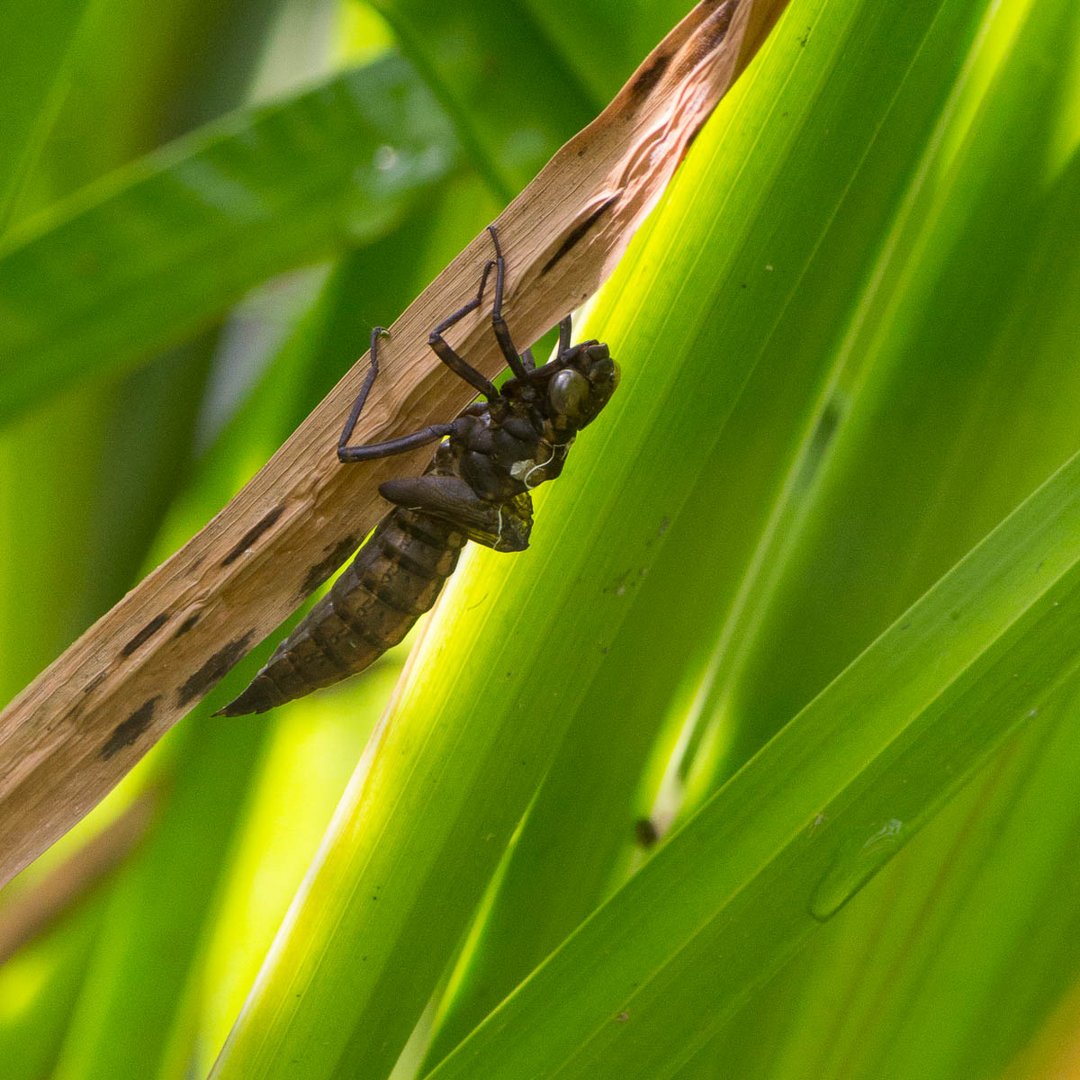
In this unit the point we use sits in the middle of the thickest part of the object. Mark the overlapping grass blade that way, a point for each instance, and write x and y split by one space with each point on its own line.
793 836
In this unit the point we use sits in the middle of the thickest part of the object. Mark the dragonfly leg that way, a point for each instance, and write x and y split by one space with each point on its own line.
400 445
566 329
369 381
453 360
498 323
529 360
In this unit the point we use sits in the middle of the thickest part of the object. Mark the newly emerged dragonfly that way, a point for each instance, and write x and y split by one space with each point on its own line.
476 488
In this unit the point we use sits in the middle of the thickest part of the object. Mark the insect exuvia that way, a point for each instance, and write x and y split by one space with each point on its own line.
476 488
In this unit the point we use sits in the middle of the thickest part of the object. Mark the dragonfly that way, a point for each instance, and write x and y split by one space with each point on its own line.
477 487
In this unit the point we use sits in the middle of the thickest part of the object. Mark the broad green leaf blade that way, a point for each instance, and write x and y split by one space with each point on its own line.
310 754
794 835
138 75
764 193
985 403
943 418
949 960
153 251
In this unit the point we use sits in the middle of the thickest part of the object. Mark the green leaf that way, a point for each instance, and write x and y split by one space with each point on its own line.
38 990
35 61
955 404
156 249
981 407
797 832
784 230
490 67
605 40
127 439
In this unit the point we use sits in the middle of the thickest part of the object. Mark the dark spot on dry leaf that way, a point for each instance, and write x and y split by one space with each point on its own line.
94 683
725 13
189 623
128 732
325 567
712 33
146 633
213 670
648 77
253 534
577 234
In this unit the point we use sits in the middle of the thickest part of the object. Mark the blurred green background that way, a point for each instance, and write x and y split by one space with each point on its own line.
849 340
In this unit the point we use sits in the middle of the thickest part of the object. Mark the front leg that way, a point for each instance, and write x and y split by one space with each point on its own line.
453 360
390 447
519 367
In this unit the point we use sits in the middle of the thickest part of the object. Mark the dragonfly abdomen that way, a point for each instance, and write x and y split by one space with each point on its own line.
394 578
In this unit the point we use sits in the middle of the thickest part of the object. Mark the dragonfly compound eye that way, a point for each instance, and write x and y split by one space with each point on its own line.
569 393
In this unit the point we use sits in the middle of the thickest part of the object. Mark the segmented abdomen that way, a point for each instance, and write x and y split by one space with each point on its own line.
394 578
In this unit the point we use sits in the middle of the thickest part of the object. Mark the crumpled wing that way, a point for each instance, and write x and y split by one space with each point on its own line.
503 526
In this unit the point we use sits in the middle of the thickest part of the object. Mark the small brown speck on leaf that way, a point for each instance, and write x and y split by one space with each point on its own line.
577 234
248 539
645 832
127 733
146 633
325 567
188 624
213 670
649 76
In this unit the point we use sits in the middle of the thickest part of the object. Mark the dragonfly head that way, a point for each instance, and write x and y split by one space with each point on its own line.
578 391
